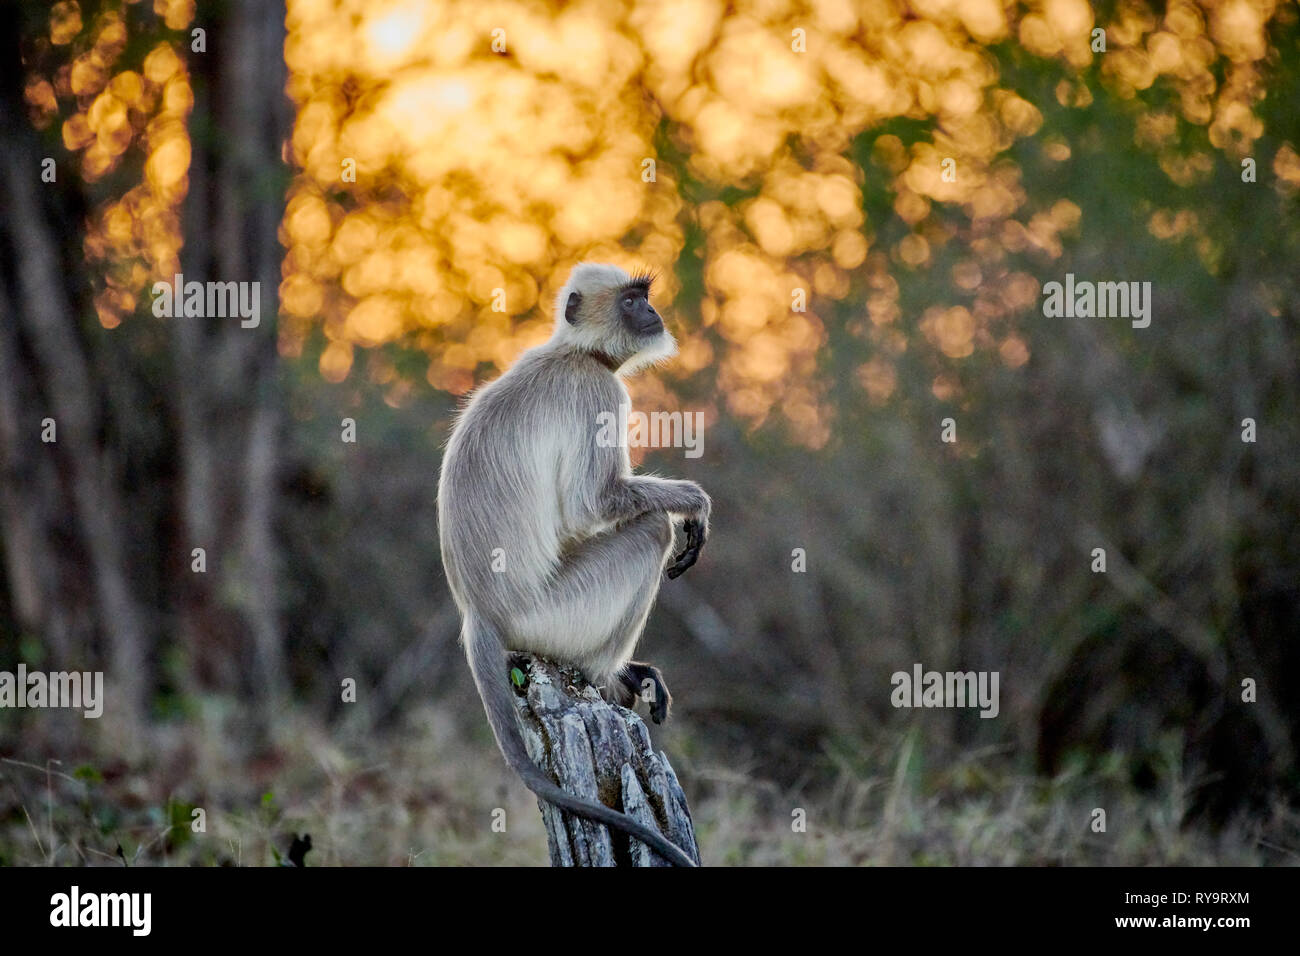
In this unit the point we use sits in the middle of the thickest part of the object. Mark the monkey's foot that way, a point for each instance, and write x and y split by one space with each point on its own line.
647 682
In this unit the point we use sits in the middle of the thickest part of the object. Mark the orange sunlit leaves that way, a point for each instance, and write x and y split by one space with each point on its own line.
110 112
65 22
454 160
479 175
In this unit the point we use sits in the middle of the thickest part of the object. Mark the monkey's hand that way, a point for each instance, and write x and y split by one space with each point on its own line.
697 532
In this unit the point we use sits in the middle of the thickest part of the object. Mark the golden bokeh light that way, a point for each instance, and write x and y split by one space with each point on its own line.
135 237
452 161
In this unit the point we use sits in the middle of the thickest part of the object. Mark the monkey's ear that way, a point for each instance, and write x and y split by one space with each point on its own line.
571 307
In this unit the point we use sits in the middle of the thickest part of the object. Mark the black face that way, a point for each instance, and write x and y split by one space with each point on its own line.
636 311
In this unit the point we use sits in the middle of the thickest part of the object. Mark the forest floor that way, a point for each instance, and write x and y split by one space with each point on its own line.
420 793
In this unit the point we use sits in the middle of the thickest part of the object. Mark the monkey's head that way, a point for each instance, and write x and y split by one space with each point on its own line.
607 312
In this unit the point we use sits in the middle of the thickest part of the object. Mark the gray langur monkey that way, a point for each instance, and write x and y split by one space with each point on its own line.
550 543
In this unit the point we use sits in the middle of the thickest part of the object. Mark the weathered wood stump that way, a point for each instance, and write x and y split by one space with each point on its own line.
601 751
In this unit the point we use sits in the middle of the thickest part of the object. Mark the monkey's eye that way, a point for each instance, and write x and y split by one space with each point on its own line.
627 301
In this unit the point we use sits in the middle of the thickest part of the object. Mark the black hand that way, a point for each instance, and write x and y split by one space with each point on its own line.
695 536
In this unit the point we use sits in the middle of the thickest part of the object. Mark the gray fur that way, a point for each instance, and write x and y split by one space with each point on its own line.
584 541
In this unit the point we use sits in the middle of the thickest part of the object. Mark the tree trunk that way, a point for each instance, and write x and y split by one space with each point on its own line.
42 297
601 751
231 431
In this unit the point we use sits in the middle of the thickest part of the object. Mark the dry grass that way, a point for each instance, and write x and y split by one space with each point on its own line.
421 794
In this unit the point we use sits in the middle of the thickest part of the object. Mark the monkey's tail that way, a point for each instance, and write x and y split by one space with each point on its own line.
486 653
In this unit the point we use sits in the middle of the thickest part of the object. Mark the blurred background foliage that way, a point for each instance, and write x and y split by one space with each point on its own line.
410 183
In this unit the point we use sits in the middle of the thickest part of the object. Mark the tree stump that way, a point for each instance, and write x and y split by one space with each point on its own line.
601 751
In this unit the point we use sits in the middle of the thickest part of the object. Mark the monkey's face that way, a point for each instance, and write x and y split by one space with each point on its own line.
604 310
637 314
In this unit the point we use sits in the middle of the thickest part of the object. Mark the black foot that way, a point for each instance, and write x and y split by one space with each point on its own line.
646 681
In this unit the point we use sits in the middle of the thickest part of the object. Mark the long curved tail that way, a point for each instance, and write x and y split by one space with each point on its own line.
485 650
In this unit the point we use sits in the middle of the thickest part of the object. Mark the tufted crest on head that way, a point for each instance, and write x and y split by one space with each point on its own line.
604 310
